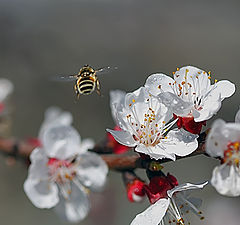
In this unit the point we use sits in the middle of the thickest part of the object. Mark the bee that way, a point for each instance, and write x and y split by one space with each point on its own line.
87 80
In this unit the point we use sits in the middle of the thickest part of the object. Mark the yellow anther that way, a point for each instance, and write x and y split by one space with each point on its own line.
204 72
133 101
163 121
165 137
216 81
159 86
197 77
209 72
177 69
130 104
173 73
209 77
187 70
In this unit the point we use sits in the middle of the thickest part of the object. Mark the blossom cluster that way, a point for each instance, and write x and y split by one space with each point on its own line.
160 120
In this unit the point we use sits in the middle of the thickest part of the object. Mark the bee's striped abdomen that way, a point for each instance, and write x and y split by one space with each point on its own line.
86 85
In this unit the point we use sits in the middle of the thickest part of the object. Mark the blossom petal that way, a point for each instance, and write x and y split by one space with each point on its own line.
41 193
210 107
184 187
158 83
177 105
225 88
123 137
237 117
220 135
76 207
153 214
155 152
61 142
180 142
37 187
226 180
117 99
86 144
6 88
92 171
54 116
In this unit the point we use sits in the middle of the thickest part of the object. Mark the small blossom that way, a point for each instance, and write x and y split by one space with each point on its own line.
171 202
145 124
224 141
62 178
191 95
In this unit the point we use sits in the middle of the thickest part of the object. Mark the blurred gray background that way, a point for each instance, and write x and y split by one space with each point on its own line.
42 39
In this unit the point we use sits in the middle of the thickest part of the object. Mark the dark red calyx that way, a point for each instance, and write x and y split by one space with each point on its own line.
189 124
113 144
158 187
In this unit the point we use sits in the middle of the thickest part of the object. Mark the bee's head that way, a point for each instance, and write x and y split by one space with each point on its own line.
87 70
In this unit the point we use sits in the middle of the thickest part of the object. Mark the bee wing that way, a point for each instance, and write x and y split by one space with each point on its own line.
105 70
64 78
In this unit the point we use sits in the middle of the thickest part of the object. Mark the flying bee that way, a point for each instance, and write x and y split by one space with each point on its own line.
87 80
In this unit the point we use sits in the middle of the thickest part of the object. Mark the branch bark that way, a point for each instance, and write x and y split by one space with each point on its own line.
120 162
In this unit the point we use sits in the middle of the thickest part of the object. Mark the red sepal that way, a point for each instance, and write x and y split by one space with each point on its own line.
158 187
189 124
112 143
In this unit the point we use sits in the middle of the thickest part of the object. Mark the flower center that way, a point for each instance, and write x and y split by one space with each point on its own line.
62 173
150 131
192 88
232 154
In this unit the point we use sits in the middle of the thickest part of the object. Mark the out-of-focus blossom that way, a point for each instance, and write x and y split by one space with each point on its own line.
223 141
62 172
191 95
145 124
237 117
171 202
6 88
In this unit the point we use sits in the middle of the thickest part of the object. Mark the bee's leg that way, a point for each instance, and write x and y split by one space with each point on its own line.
76 91
98 88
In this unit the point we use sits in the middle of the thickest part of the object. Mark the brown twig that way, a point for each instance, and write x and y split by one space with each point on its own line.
119 162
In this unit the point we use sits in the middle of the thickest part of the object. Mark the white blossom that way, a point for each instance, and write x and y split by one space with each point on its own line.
190 93
6 88
145 124
170 209
62 172
224 141
237 117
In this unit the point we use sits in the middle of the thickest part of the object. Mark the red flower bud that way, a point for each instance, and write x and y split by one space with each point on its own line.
135 191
